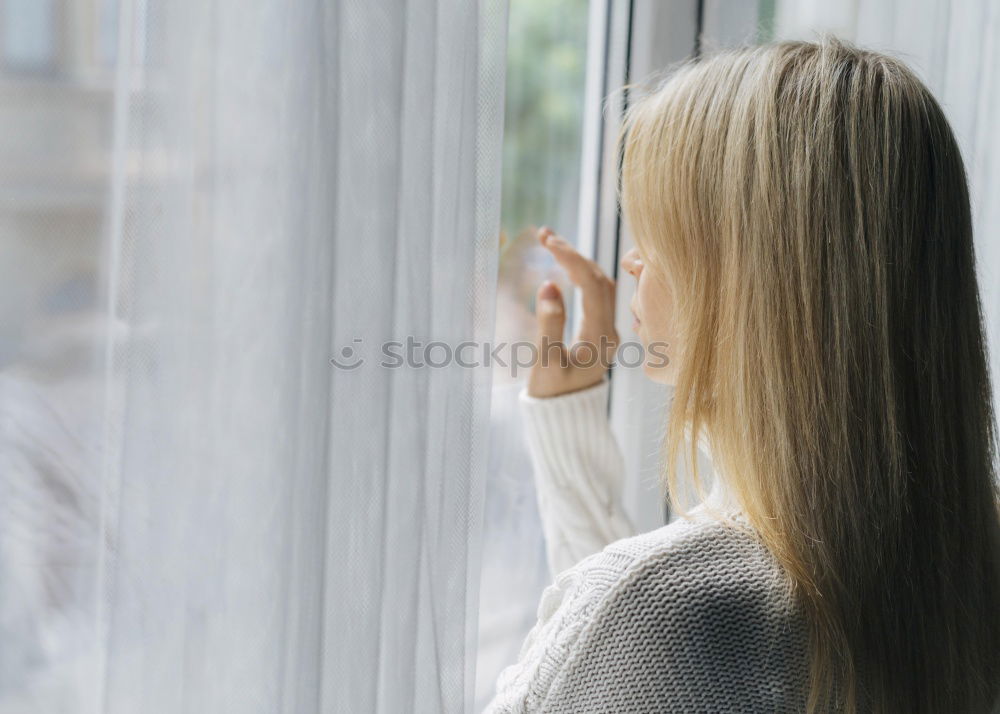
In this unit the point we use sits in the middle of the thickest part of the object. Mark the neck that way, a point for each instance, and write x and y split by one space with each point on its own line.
719 496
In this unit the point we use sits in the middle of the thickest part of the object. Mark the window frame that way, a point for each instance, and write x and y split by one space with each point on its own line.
628 40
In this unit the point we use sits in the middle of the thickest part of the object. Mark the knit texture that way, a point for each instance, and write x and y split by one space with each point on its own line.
578 474
695 616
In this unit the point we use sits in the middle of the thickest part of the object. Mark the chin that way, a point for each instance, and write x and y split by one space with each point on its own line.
660 375
659 364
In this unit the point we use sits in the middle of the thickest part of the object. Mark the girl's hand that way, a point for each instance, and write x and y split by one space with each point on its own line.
559 370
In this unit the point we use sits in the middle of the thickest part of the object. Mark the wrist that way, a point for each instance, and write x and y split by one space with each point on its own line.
586 392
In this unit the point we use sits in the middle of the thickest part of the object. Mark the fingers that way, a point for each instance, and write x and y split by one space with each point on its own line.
582 271
597 288
550 312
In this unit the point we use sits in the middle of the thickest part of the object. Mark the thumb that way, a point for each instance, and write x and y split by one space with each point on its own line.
550 312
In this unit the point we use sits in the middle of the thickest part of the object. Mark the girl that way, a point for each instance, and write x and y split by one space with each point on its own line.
804 247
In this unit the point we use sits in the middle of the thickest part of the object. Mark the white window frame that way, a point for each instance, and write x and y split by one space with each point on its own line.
628 41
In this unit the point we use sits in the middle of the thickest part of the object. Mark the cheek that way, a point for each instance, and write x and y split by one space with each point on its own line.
657 331
656 309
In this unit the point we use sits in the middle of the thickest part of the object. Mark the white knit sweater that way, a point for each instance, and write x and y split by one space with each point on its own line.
694 616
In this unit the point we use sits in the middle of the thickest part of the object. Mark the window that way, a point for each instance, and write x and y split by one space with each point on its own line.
546 73
54 176
567 59
29 34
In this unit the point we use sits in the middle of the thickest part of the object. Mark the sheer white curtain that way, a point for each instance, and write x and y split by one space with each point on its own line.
204 202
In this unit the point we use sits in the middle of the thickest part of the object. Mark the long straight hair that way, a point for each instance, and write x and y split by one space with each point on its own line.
809 204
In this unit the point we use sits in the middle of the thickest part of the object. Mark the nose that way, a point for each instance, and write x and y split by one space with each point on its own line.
631 263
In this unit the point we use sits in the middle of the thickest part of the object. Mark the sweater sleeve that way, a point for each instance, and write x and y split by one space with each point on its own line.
565 609
578 473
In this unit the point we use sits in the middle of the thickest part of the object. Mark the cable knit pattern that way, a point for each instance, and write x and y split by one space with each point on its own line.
695 616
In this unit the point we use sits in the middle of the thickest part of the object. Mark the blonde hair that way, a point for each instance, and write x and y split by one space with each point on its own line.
809 203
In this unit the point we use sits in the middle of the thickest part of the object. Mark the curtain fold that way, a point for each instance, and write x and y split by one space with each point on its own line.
267 512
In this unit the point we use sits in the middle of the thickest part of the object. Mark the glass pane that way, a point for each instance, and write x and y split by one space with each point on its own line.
107 26
547 57
55 140
29 33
